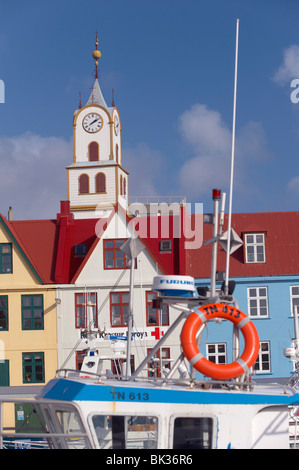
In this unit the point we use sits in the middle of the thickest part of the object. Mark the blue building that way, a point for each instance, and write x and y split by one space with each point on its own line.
266 271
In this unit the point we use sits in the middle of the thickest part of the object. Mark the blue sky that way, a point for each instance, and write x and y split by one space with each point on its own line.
171 65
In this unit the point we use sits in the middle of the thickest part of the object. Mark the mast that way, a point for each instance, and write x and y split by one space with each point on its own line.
232 162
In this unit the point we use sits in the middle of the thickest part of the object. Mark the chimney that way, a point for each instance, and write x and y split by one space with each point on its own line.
10 214
65 212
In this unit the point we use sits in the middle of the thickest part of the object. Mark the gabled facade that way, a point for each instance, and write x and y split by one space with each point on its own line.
27 304
96 297
266 271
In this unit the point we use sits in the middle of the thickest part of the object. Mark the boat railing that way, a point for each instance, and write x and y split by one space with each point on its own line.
158 381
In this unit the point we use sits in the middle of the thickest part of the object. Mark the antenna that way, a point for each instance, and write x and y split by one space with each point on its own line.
113 103
232 163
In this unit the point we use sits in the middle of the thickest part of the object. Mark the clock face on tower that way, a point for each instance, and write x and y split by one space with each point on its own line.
92 122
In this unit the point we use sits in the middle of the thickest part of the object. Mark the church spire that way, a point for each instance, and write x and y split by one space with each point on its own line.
96 96
96 55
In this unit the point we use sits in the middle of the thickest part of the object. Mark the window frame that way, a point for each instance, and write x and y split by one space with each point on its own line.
165 355
259 361
100 183
78 325
34 365
258 298
32 308
255 244
293 296
2 255
80 184
212 437
217 353
148 303
5 309
121 304
93 151
115 250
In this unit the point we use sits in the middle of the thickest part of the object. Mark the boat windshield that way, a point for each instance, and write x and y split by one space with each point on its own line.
126 432
193 433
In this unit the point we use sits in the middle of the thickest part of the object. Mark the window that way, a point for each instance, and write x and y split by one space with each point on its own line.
93 150
126 432
114 257
86 310
80 250
32 312
71 424
83 184
3 313
157 361
294 298
33 367
255 248
79 359
262 364
165 246
4 373
119 308
100 183
121 184
5 258
153 315
258 301
117 365
216 353
193 433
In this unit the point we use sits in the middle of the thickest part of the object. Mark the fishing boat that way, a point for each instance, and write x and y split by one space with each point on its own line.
164 405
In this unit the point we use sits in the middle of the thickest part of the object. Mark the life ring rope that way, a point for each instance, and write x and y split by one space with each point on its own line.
191 351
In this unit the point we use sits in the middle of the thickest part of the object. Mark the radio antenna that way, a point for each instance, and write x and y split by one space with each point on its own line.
232 163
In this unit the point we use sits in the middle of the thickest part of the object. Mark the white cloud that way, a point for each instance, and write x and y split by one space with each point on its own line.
33 175
293 186
290 66
203 128
211 141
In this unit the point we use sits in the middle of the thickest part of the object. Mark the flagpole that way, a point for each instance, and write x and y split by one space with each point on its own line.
232 163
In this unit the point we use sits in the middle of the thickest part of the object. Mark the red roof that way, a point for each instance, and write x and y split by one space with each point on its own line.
38 238
49 245
281 231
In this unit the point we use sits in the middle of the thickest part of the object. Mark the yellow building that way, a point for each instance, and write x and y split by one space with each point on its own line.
28 333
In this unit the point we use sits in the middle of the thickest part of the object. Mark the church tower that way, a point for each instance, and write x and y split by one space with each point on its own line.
96 180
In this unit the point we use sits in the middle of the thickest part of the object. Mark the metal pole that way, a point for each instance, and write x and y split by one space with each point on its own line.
216 197
130 319
232 162
296 329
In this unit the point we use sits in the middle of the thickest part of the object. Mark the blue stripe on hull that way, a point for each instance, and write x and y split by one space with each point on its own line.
68 390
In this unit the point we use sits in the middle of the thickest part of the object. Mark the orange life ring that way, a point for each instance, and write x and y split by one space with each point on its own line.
208 368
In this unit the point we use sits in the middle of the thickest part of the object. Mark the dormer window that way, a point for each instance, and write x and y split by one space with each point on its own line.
80 250
255 248
165 246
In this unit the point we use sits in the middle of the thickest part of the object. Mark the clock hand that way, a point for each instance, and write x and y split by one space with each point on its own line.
94 121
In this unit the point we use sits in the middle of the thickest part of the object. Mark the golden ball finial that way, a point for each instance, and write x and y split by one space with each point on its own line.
96 54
